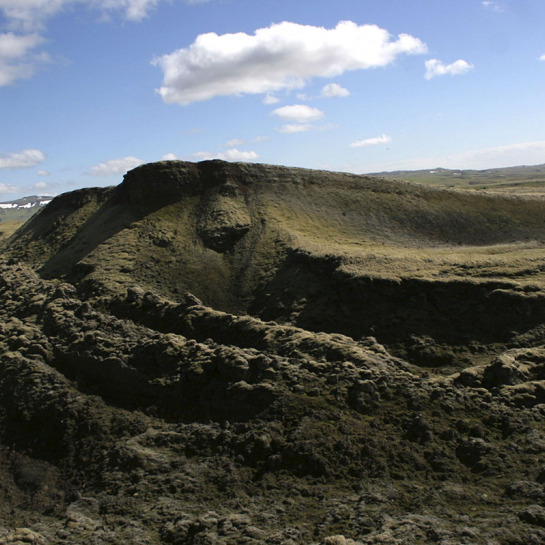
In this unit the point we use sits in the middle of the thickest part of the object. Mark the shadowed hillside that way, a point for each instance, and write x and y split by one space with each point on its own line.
216 353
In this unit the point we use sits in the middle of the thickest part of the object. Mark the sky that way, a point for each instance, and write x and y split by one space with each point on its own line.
89 89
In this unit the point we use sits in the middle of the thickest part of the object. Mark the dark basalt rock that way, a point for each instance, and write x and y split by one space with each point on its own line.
225 423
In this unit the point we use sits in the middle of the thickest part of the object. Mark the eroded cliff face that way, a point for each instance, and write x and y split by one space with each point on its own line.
431 322
226 353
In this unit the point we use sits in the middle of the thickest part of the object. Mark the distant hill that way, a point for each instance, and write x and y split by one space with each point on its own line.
22 209
14 213
515 180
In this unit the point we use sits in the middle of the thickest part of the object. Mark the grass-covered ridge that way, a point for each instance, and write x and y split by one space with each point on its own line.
326 251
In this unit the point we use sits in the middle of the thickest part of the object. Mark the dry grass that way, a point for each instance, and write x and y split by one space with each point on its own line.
7 228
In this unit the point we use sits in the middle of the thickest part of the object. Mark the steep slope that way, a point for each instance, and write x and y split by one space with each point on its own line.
411 265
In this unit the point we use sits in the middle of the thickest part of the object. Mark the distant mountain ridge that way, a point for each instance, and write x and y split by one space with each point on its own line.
523 179
14 213
31 201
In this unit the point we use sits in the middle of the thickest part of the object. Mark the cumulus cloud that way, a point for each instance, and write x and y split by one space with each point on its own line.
17 58
332 90
43 173
435 67
228 155
292 128
169 157
234 142
542 58
33 13
115 166
298 112
5 189
494 6
270 99
383 139
21 159
283 56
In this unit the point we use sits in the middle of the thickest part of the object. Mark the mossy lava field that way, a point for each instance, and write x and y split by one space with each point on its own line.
227 353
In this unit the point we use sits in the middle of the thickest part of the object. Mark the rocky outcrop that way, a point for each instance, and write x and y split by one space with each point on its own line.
224 217
141 419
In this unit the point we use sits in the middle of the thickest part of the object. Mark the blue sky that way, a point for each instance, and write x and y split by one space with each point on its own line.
91 88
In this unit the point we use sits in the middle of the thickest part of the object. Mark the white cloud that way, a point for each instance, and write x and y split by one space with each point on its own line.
17 61
43 173
228 155
270 99
383 139
237 155
332 90
435 67
298 112
6 189
13 46
33 13
115 166
21 159
16 58
494 6
292 128
542 58
234 142
169 157
283 56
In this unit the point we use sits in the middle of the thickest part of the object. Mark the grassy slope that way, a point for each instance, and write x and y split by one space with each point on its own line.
7 228
11 220
325 251
18 214
370 223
